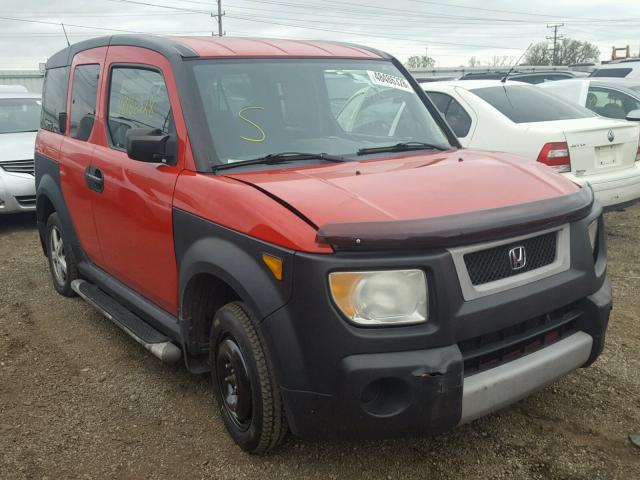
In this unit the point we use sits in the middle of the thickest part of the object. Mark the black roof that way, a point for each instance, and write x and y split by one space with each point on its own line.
163 45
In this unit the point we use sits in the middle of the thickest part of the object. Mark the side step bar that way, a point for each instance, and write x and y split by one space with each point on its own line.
143 333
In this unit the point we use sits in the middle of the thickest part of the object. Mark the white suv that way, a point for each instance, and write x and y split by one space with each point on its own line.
19 122
620 69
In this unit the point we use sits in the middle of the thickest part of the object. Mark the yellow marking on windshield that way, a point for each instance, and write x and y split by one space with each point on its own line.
262 134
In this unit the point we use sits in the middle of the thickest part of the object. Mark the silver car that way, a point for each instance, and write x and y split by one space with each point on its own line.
19 122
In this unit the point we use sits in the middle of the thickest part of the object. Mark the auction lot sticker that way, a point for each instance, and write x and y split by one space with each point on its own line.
389 81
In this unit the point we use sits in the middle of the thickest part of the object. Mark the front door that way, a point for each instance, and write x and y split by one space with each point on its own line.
133 211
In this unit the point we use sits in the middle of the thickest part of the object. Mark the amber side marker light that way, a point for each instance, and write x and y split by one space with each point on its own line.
274 264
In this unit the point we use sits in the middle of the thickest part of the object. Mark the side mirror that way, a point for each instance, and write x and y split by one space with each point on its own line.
633 116
62 122
150 145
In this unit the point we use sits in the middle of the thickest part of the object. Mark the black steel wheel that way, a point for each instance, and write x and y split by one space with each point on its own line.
244 383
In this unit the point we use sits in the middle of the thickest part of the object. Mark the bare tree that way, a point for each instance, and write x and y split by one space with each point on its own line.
569 51
416 62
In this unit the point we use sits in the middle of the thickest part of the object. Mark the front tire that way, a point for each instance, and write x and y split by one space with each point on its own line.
243 381
62 262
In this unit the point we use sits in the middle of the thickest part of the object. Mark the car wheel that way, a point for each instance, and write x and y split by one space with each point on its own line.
243 381
62 262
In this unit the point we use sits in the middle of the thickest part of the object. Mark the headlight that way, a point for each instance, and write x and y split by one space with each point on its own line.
393 297
593 234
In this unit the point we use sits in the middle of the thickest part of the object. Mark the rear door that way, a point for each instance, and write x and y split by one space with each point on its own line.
133 212
78 145
598 145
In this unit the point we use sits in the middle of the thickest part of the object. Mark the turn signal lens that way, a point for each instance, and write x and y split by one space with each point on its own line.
393 297
556 155
274 264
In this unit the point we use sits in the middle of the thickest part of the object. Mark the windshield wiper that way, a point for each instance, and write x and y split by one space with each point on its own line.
284 157
403 147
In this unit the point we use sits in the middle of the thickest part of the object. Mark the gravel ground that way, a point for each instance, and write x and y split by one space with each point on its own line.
80 399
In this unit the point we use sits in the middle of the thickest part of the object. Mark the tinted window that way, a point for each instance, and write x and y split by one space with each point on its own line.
54 98
455 115
611 72
441 100
610 103
523 104
19 115
83 100
137 99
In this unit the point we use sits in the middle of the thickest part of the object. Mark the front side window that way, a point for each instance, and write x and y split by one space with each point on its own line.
137 99
19 115
83 100
54 98
610 103
523 104
258 107
454 113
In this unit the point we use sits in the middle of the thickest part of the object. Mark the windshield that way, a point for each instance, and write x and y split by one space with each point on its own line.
258 107
19 115
523 104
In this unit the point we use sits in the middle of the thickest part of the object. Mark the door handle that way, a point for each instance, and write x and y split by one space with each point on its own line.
94 179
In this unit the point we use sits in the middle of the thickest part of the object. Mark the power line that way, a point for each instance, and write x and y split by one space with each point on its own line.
511 12
146 4
367 34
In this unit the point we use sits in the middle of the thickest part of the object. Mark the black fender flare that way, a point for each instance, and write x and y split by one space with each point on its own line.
203 247
48 186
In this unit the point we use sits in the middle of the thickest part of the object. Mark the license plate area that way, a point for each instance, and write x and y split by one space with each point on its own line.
606 156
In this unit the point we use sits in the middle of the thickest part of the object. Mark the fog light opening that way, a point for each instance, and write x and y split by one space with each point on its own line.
386 397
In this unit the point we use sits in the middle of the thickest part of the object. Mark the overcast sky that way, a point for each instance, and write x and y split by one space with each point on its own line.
451 31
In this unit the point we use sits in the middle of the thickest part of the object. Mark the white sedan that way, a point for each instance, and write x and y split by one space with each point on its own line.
19 122
527 121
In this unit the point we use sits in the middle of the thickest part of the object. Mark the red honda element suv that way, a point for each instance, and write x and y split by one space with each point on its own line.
297 219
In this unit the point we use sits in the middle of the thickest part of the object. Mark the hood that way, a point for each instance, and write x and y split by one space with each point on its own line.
17 146
409 187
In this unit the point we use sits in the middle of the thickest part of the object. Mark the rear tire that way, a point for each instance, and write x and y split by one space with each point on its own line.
243 381
62 262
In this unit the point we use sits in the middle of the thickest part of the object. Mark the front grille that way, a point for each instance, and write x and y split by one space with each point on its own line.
26 200
19 166
496 348
493 264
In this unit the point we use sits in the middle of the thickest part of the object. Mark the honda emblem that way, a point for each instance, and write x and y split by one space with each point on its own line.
517 258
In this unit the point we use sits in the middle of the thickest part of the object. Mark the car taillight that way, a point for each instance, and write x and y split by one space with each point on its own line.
638 155
556 155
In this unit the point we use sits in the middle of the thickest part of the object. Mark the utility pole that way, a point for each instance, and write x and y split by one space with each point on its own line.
555 38
219 17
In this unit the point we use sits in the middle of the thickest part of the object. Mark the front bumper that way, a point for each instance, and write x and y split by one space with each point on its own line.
340 380
17 192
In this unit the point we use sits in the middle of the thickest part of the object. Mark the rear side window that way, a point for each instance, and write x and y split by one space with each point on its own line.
83 100
522 104
454 113
137 99
54 98
610 103
611 72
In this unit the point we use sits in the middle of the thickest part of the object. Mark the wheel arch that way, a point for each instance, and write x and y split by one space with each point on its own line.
214 271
